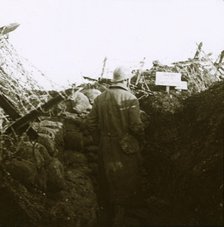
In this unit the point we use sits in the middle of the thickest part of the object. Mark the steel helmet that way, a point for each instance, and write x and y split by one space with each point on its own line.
120 74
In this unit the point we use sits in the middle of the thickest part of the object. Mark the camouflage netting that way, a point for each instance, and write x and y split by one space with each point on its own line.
51 181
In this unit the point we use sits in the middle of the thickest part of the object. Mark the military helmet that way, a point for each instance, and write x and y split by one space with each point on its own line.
120 74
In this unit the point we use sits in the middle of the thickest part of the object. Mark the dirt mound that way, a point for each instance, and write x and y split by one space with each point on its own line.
184 158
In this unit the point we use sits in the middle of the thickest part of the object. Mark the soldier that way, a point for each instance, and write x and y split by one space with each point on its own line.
115 117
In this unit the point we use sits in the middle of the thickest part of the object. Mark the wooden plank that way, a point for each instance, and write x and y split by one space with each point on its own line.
8 107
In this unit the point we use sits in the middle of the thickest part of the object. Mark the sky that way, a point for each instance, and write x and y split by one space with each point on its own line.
68 39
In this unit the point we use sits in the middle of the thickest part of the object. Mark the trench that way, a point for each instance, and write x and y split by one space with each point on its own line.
54 182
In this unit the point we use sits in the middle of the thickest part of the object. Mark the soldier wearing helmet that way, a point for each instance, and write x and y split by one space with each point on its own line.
115 116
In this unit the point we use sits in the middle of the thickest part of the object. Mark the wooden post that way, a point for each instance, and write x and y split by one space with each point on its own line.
221 57
168 89
103 68
196 56
140 71
8 107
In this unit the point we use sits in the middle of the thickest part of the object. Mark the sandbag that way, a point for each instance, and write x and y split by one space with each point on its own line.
74 140
51 124
53 130
74 159
91 93
48 143
80 103
55 176
73 136
35 153
24 171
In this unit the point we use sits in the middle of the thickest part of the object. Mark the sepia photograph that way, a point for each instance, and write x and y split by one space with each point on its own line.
111 113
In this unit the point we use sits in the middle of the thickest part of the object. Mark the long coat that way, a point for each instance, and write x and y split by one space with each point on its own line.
116 113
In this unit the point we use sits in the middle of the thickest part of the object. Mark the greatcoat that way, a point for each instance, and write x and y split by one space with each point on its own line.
114 116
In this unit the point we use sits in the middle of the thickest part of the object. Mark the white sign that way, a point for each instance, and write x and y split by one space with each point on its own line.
168 79
182 86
